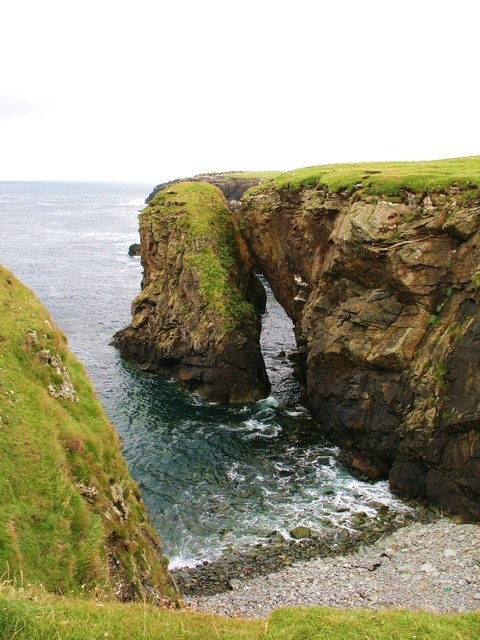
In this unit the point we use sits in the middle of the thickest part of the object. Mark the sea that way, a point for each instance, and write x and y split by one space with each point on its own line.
214 477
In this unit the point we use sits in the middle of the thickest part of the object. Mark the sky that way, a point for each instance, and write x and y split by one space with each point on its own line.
148 91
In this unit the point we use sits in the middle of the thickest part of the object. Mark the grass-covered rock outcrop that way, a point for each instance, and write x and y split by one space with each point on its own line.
193 318
71 517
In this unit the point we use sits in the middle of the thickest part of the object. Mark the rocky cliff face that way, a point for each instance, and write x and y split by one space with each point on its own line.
379 268
384 293
193 319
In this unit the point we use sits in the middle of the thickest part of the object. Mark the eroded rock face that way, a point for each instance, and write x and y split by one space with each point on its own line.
384 295
193 319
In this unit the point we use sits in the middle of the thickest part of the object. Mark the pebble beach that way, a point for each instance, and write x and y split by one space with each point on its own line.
433 567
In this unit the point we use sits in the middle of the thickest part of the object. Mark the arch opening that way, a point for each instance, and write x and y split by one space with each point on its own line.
279 349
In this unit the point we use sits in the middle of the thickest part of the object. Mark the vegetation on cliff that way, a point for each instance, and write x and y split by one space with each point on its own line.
193 318
384 178
197 213
232 184
71 517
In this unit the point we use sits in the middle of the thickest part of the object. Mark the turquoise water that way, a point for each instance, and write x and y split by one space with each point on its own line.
212 476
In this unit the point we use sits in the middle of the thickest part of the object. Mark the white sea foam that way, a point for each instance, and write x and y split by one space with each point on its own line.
259 428
179 561
270 401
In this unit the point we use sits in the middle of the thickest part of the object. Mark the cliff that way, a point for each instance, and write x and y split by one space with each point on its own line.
378 266
193 318
71 517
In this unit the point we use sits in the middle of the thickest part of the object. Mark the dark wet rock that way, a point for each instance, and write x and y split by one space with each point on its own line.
134 249
301 532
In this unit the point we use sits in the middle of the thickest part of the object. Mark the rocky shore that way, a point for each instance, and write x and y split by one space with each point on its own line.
277 552
434 567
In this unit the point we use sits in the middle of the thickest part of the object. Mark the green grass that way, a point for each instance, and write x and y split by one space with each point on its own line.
385 178
197 212
255 175
51 452
31 616
338 624
197 208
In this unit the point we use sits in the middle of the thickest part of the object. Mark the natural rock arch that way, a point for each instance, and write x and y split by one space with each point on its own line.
384 294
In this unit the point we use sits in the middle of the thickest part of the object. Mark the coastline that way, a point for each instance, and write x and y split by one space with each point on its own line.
431 566
212 577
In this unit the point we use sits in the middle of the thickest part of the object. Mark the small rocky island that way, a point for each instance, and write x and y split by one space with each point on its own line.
195 317
378 267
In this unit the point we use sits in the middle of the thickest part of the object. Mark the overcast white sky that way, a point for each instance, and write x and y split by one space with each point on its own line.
153 90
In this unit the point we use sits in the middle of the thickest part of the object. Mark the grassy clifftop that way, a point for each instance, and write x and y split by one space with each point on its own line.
196 215
385 178
71 517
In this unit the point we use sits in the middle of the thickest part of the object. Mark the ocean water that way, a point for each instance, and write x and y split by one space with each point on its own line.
212 476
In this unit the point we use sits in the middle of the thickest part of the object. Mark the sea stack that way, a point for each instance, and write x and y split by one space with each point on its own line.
193 319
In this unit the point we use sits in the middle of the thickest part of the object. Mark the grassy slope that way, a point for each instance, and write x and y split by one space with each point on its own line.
387 178
50 450
26 616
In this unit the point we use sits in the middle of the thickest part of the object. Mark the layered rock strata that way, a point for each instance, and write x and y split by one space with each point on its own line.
384 294
193 319
382 282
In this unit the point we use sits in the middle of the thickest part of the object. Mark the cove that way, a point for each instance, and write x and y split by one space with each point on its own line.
213 476
219 477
